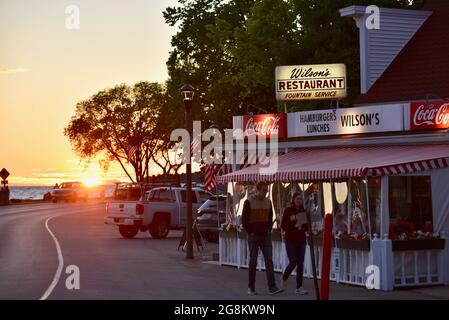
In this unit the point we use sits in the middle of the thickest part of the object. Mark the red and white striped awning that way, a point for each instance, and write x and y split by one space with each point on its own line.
336 163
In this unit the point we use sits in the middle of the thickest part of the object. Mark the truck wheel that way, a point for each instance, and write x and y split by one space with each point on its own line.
128 232
160 227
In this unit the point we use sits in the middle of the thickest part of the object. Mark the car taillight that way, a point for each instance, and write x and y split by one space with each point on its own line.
139 209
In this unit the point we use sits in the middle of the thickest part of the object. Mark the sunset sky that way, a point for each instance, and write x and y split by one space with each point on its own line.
45 69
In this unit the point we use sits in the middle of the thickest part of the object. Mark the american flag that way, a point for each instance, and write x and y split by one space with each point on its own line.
210 173
131 150
194 145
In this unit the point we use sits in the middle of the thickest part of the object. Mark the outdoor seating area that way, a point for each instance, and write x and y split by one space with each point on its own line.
396 222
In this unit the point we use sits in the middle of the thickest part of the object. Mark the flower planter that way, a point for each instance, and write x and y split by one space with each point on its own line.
351 244
276 235
242 235
228 233
421 244
362 245
317 241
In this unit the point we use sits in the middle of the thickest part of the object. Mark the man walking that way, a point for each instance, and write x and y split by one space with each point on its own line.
257 219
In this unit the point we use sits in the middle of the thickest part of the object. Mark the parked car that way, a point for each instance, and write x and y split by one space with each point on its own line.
70 191
159 210
211 215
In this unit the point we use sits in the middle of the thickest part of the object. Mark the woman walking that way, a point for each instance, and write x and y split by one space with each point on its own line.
295 227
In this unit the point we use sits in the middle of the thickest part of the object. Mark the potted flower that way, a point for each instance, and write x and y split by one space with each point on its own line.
353 241
418 240
228 230
317 237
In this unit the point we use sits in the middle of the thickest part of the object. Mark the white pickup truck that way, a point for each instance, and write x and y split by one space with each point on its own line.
122 207
159 210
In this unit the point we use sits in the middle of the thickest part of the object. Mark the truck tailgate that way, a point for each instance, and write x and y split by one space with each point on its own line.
121 209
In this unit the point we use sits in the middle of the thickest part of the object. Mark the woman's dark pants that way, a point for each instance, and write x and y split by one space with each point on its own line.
295 253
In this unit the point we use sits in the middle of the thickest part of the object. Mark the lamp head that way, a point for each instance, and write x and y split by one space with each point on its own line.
188 91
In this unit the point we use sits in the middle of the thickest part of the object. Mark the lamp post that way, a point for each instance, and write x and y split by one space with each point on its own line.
188 92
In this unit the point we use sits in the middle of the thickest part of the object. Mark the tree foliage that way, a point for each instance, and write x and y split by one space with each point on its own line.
114 120
229 49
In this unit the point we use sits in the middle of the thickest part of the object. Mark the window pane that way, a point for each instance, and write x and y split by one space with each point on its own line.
313 204
410 205
165 195
204 196
358 209
134 194
374 187
327 197
280 196
184 196
341 206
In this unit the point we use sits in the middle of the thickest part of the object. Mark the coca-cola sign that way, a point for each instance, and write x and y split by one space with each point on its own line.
265 125
428 116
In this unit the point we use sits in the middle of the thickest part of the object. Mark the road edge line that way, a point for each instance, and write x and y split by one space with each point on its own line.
57 275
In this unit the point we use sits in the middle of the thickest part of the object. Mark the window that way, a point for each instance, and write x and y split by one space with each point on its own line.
184 196
165 195
410 204
358 217
134 194
313 204
127 194
280 196
374 186
346 200
204 196
341 206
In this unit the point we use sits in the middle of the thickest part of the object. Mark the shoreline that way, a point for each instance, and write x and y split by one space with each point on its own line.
41 201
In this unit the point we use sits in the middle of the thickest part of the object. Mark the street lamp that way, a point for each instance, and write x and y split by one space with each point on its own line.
188 92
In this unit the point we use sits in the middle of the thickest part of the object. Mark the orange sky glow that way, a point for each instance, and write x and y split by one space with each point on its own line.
45 69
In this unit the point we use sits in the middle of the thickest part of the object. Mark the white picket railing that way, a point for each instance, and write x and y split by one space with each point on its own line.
416 268
398 268
234 252
228 249
353 266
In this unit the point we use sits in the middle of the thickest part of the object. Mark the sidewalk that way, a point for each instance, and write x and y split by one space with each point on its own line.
209 280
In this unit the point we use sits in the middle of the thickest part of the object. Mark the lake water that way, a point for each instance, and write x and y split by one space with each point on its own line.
37 193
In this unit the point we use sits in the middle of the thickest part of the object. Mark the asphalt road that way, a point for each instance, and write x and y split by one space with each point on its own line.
39 242
28 252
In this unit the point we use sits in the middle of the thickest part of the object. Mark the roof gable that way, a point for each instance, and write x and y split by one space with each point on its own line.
421 69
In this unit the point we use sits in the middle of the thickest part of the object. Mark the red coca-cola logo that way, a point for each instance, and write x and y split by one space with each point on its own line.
425 116
265 125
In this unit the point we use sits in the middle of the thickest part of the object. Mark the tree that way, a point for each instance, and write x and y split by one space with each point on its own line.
229 49
117 120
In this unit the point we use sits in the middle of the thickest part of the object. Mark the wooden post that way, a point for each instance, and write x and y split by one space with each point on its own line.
368 211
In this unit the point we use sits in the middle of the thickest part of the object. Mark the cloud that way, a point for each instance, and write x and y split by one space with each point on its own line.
10 70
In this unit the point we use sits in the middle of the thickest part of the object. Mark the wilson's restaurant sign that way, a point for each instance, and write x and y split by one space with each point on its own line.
327 81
